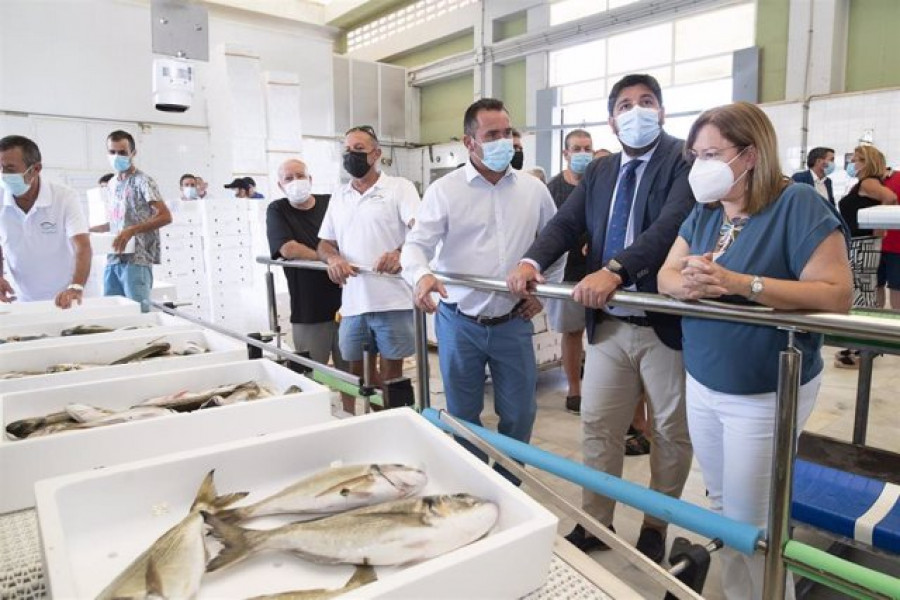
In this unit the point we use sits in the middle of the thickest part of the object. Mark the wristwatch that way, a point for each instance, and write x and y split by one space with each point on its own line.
614 266
76 286
756 287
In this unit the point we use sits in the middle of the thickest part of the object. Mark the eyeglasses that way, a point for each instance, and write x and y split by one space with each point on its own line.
710 153
367 129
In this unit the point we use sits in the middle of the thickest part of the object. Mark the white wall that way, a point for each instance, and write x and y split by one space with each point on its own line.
72 70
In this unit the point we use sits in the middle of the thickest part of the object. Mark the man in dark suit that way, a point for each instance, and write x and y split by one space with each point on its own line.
631 205
821 164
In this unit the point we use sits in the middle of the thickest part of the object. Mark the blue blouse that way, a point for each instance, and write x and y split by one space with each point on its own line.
736 358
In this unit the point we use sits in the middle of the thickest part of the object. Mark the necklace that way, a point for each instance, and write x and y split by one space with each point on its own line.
728 233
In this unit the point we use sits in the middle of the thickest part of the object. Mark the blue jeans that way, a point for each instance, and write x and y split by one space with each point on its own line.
131 281
464 348
390 333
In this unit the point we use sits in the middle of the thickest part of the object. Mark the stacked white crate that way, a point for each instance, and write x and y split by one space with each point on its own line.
182 258
229 260
547 343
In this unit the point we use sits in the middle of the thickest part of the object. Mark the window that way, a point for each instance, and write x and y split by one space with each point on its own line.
691 57
404 18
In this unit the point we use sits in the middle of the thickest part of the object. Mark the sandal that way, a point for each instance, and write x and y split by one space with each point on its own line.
637 445
846 359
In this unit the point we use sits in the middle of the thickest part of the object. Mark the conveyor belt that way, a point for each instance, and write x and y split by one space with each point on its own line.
853 506
22 573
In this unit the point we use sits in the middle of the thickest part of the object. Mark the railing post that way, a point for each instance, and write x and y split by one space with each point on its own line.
423 386
272 306
790 360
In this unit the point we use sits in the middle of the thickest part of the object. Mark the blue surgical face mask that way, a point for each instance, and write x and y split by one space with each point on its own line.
497 154
638 127
829 167
119 163
579 161
190 193
14 183
851 169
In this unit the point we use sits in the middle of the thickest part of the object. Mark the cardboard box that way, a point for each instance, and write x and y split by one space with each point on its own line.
93 524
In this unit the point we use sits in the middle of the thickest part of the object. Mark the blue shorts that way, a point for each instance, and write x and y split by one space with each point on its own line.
889 271
132 281
391 333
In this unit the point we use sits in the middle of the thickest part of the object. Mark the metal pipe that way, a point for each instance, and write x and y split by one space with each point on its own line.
272 305
423 383
860 327
863 396
656 572
279 352
790 361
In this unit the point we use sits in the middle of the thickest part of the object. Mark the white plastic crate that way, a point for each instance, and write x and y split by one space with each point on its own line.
23 462
221 349
94 523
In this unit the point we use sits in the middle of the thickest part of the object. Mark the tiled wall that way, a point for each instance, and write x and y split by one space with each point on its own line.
839 122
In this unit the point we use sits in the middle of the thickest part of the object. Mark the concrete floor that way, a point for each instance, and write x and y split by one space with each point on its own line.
559 431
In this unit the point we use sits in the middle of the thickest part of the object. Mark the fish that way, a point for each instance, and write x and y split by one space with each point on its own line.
173 565
85 330
22 338
113 418
294 389
149 351
361 576
394 533
335 490
23 428
190 347
186 401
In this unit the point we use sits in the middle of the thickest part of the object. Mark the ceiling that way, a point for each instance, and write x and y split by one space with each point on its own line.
342 14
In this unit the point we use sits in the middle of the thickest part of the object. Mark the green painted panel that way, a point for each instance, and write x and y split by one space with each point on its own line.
442 107
872 46
427 54
772 37
511 27
512 92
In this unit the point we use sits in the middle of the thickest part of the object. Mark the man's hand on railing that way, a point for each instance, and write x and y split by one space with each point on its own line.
389 262
529 307
595 290
424 288
339 270
523 279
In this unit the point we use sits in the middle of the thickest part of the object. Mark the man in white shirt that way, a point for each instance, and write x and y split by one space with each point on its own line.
365 225
43 232
486 214
820 163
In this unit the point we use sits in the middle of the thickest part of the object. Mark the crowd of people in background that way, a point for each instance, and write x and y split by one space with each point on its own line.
709 218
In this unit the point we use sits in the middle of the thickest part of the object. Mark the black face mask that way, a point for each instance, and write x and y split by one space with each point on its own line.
356 163
518 160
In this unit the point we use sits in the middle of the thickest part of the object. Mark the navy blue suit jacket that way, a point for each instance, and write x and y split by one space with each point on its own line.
807 178
662 202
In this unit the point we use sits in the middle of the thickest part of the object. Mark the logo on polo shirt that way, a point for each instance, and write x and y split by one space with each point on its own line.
48 227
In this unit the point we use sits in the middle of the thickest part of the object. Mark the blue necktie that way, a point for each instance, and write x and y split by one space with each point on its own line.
618 223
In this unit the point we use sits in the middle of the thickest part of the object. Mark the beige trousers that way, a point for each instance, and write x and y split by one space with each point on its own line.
626 361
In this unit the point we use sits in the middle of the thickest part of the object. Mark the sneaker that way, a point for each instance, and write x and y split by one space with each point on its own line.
652 544
845 359
585 541
573 404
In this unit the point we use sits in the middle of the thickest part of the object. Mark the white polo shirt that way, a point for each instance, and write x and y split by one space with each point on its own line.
37 247
365 226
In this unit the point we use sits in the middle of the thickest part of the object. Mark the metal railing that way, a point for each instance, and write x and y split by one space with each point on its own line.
859 327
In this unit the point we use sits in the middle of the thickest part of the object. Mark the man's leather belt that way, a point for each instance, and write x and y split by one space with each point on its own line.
483 320
639 321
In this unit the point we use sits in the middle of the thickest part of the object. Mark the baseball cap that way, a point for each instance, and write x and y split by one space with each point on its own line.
239 182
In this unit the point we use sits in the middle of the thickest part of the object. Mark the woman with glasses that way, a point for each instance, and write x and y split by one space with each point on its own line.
753 239
868 166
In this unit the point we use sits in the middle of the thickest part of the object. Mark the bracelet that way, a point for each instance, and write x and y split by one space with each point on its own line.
76 286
